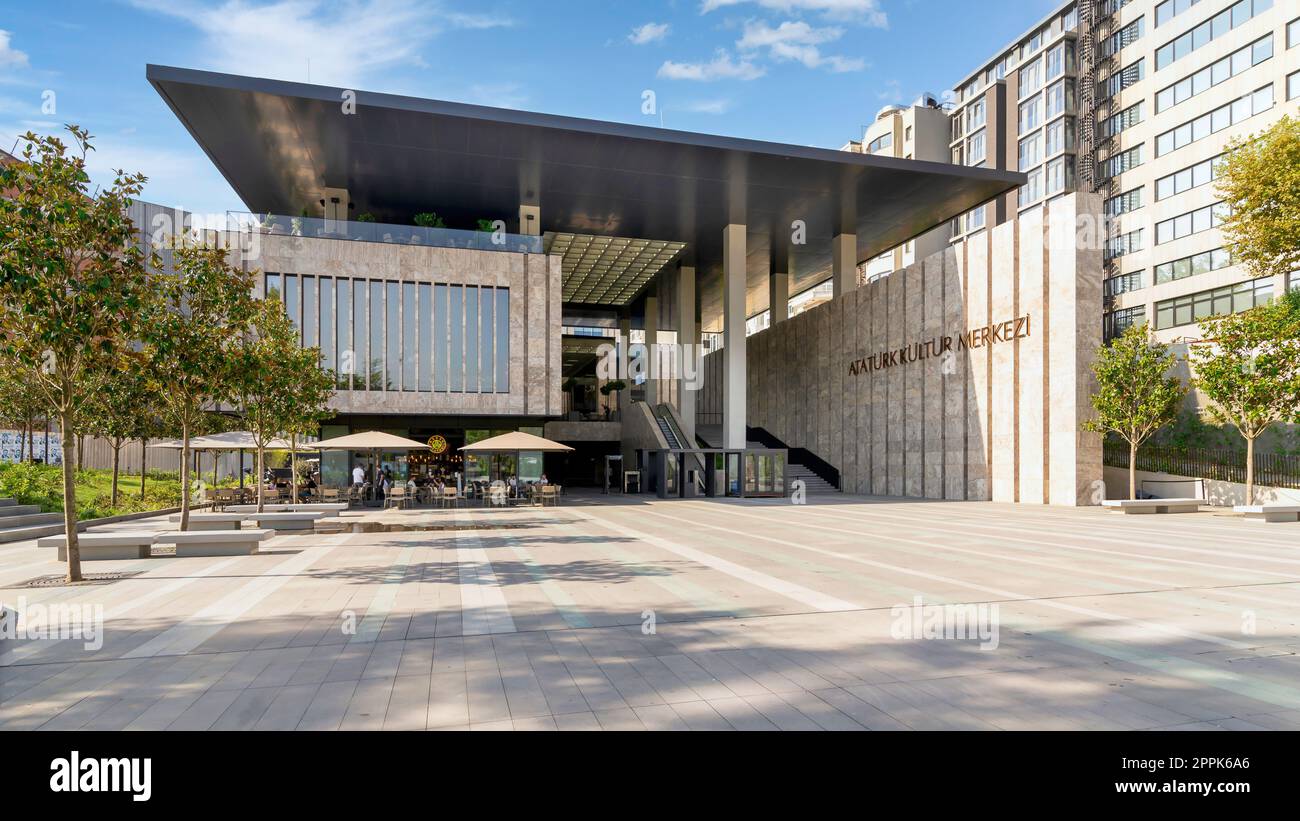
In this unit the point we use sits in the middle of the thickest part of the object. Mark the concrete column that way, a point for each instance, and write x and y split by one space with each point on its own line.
651 339
530 220
687 331
778 287
844 263
733 335
624 358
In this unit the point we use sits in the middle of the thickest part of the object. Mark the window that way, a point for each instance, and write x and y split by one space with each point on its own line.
1031 79
1293 86
1124 37
1228 115
1293 33
1059 96
1170 9
1201 263
1031 151
1123 284
881 143
1186 179
975 219
1123 244
1193 222
1059 59
1117 322
1031 115
1217 26
1059 136
1060 174
975 149
1125 77
1121 162
1032 190
1215 73
907 135
1124 203
975 115
1230 299
1117 123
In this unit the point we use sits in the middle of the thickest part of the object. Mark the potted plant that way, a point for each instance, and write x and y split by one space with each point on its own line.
612 386
429 219
365 216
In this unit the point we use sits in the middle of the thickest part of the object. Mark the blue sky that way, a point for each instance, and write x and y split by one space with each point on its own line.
810 72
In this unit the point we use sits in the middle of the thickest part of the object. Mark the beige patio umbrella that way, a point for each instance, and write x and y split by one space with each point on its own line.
516 442
235 440
373 441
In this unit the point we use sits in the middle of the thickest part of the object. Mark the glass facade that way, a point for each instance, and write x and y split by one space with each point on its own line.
402 336
1230 299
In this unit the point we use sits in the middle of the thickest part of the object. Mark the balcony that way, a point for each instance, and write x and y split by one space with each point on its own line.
351 231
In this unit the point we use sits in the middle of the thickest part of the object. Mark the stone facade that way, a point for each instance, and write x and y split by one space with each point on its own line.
966 375
534 281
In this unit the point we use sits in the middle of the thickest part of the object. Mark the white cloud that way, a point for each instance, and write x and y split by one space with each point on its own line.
797 41
345 43
721 67
865 12
10 57
705 107
649 33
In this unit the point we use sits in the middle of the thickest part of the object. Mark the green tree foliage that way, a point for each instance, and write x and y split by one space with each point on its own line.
1259 179
72 283
120 412
1136 395
1248 366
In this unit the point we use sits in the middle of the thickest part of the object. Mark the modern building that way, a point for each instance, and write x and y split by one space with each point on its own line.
1135 100
464 270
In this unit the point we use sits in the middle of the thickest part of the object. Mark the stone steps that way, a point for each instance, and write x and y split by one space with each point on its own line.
30 520
7 503
20 534
21 522
10 511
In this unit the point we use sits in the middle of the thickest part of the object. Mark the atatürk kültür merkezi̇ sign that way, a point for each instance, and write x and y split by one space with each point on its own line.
974 338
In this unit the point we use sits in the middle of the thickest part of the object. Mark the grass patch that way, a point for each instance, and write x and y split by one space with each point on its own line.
43 485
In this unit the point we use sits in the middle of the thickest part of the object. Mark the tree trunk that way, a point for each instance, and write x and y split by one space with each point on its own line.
185 476
117 459
1132 470
261 480
144 456
293 470
77 438
70 508
1250 470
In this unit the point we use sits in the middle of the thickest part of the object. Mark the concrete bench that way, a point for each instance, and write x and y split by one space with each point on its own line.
213 521
1269 513
327 508
1153 505
286 520
215 542
104 546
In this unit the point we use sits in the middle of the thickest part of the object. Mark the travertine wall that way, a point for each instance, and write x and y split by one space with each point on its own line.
964 376
534 281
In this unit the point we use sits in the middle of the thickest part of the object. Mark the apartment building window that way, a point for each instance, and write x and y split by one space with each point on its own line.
1059 59
958 126
1124 37
1124 203
1123 284
1188 178
1070 21
1031 151
907 134
1293 281
1117 123
1121 162
1215 73
1170 9
1217 26
957 154
975 219
1031 115
1130 74
1116 323
1293 33
1060 136
1060 96
1060 174
1293 86
1032 190
881 143
1193 222
1230 299
1223 117
975 149
1031 79
975 114
1123 244
1191 266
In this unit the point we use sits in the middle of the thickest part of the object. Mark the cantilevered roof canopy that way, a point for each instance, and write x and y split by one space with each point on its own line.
280 144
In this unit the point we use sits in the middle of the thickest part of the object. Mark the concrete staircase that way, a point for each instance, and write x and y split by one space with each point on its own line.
21 522
813 484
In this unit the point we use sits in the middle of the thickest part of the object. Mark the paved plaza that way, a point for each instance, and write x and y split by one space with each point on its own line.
633 613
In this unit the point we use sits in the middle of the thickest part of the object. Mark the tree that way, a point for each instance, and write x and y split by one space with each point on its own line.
204 308
21 403
120 413
306 403
1248 366
72 283
278 385
1259 183
1135 396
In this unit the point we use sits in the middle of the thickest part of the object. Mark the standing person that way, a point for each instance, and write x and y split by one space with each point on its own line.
358 476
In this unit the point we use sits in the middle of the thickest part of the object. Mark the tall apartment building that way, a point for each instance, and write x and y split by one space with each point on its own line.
1136 100
915 132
